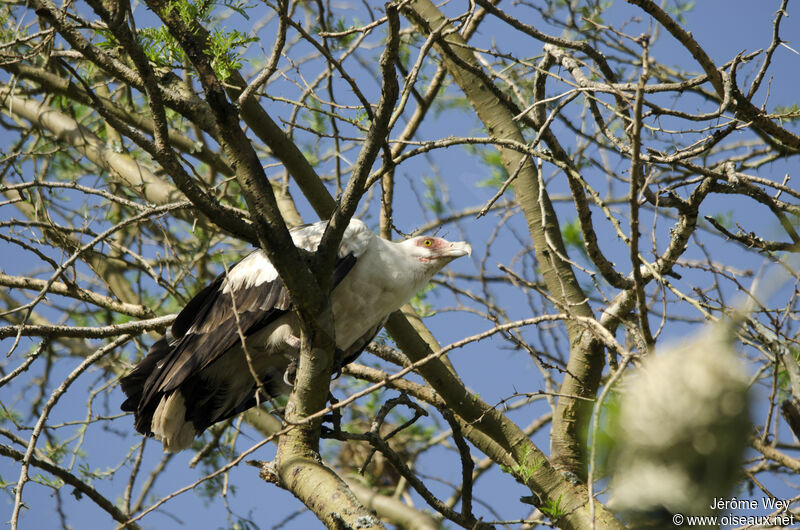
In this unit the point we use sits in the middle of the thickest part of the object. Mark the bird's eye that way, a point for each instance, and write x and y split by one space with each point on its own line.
428 242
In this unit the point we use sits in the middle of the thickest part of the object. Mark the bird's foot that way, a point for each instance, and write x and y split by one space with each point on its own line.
290 373
338 364
293 342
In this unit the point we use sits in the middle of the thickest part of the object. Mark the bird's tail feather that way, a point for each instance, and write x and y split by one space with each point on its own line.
169 424
133 385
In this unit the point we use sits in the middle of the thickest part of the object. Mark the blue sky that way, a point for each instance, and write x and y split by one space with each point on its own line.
724 28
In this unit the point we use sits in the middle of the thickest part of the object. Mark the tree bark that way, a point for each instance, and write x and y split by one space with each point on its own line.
586 361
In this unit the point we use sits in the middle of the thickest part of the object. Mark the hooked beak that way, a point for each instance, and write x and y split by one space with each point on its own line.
457 249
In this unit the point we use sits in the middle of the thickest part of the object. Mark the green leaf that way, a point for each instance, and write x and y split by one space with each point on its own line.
524 471
553 509
571 233
724 219
492 159
423 308
433 196
53 482
787 114
55 452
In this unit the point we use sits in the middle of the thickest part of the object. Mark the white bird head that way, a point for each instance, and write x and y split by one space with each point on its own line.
435 252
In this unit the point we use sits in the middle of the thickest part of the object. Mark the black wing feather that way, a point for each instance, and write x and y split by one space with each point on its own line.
215 331
196 308
202 332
